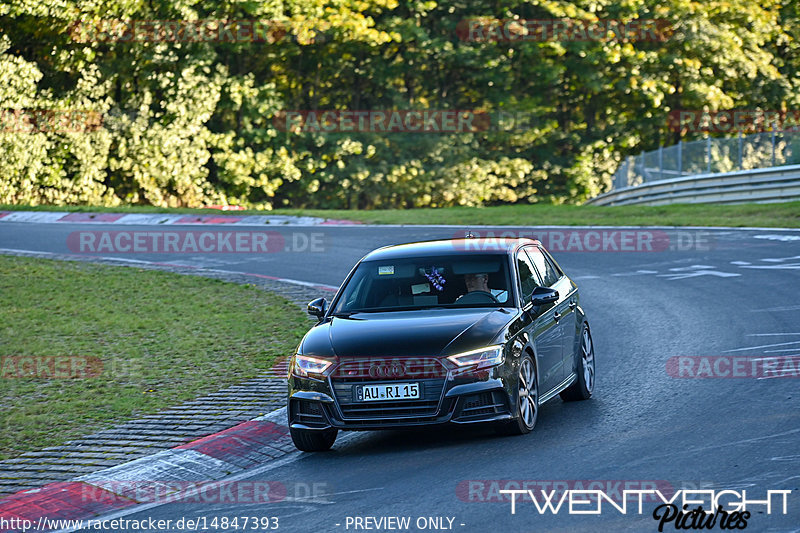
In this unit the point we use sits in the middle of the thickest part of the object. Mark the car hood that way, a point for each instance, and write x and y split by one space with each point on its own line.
424 332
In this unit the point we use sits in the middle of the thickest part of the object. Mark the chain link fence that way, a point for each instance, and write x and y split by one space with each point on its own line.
710 156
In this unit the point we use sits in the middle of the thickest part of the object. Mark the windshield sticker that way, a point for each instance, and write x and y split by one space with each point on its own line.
386 270
436 279
420 288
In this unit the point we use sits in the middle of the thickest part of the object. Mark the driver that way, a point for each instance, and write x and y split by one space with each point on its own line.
477 282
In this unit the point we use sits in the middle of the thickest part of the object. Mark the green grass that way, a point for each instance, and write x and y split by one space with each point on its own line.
162 338
762 215
785 215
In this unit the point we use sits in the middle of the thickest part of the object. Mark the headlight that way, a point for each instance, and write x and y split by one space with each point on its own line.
480 358
304 366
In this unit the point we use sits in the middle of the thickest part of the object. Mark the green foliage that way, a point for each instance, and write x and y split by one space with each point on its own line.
191 123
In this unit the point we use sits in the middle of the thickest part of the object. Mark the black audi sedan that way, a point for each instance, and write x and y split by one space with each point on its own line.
456 331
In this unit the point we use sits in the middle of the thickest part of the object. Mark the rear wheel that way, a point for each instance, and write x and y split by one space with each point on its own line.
527 409
584 384
308 440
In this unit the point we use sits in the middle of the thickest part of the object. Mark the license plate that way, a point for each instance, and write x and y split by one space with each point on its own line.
387 392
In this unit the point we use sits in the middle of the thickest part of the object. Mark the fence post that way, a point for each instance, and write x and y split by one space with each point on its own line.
680 157
630 166
641 166
773 146
708 154
661 162
741 141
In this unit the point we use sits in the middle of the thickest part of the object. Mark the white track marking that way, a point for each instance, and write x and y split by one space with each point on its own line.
763 346
782 238
783 266
697 273
693 267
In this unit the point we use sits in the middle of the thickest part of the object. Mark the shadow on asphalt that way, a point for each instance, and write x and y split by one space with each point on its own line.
554 418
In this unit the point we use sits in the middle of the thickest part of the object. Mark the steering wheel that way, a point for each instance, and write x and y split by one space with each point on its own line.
477 297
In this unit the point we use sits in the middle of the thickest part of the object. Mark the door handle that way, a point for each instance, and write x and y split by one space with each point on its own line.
556 316
573 304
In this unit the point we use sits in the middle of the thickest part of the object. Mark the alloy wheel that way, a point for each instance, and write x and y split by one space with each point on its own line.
528 394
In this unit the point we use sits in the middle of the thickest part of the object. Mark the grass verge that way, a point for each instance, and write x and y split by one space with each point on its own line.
162 338
786 215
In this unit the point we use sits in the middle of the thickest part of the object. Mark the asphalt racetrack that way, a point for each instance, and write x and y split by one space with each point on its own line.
695 343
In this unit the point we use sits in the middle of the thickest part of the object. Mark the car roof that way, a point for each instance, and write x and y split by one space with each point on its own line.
461 246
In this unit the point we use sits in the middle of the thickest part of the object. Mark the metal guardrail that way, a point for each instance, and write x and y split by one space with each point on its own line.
764 185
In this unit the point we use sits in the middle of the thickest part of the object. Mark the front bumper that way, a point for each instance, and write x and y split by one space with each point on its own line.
321 405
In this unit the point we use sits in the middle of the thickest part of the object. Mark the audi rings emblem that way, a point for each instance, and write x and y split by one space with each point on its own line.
387 371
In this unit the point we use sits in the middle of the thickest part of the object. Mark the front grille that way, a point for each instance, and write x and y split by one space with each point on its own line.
485 403
426 406
447 407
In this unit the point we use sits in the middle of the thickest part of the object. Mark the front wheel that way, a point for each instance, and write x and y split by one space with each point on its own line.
527 400
584 384
308 440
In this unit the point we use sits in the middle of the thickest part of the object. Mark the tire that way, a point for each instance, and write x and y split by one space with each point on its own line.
308 440
584 386
527 408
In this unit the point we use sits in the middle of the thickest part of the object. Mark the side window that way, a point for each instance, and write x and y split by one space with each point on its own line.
545 268
528 280
552 263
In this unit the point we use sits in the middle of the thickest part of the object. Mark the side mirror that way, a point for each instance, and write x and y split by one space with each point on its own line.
544 295
317 307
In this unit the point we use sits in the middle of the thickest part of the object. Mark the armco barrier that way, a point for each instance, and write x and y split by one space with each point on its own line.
763 185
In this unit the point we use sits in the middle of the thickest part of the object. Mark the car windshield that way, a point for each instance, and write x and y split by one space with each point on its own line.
423 282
